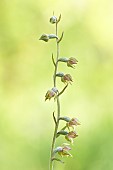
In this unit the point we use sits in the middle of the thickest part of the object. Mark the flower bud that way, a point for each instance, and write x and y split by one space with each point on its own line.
46 37
53 19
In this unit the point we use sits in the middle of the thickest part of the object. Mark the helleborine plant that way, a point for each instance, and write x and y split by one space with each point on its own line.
68 131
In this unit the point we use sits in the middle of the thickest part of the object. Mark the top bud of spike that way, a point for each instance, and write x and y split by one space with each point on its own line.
53 20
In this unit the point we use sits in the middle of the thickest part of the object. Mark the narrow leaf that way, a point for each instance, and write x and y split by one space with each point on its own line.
59 18
54 118
63 90
61 37
56 159
53 60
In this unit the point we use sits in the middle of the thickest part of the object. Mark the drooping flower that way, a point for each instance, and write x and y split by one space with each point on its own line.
71 62
73 122
51 93
63 151
70 136
66 78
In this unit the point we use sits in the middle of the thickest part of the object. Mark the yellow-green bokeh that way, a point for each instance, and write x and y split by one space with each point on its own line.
26 70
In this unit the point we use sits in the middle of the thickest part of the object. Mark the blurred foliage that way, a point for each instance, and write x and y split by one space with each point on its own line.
26 124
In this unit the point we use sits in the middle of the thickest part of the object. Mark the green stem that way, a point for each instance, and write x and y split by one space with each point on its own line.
58 106
55 133
56 65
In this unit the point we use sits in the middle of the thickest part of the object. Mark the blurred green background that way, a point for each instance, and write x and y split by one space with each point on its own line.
26 125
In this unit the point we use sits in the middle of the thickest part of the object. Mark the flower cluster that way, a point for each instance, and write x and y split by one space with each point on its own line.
70 123
68 131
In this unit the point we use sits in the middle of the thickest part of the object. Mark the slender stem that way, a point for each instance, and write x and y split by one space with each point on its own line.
56 66
55 133
58 104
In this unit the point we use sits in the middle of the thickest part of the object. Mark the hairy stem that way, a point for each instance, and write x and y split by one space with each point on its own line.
58 104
